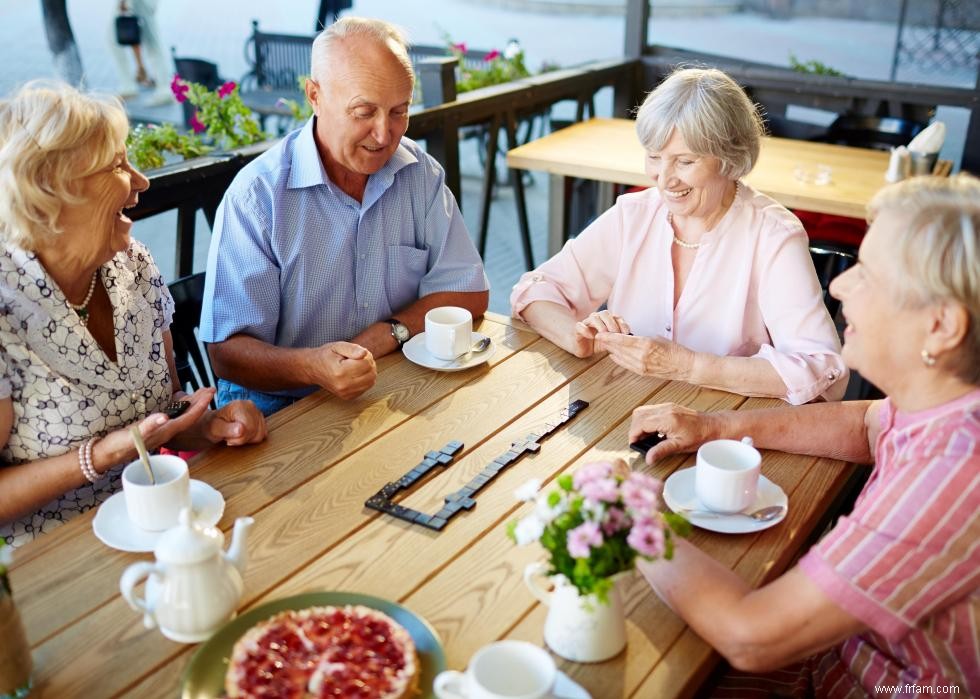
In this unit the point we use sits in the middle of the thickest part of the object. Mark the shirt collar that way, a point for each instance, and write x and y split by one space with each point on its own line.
307 169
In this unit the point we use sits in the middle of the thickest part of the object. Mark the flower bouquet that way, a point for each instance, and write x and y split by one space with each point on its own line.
593 526
596 523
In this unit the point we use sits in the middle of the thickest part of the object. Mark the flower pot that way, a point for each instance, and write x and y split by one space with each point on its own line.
15 654
579 628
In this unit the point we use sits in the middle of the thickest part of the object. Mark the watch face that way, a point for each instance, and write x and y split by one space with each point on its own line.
400 332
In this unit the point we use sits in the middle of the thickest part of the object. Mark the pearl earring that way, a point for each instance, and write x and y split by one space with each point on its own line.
927 358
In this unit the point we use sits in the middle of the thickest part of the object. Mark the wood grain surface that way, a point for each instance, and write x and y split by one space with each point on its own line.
306 487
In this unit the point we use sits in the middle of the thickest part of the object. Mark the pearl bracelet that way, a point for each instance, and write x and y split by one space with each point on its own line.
85 461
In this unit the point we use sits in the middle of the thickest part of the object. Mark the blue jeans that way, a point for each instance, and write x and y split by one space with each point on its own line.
268 403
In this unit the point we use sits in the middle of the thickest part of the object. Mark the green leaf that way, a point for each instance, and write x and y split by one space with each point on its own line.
565 482
511 530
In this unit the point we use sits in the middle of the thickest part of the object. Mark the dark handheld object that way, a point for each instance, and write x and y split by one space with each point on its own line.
128 30
176 409
645 444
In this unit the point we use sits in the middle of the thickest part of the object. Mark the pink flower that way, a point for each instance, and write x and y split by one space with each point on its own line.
581 538
641 493
461 47
492 55
647 538
600 490
616 520
591 472
179 88
196 124
227 89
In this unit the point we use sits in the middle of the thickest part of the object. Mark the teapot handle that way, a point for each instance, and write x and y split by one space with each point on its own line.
131 577
531 573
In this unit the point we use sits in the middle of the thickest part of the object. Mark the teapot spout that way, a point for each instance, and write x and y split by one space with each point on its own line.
237 553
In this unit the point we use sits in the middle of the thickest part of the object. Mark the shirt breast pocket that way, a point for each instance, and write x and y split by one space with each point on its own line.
406 267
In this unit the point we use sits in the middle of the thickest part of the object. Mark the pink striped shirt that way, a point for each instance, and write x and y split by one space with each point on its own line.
906 561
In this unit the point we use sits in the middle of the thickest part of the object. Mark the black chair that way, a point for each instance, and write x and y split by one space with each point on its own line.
195 70
193 369
830 260
879 133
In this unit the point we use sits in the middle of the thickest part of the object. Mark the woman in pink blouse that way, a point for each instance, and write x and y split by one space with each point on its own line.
712 278
888 602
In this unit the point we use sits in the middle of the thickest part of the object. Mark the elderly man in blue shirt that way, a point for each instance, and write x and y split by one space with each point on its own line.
329 249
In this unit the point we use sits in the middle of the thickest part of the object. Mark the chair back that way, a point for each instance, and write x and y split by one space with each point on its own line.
830 260
879 133
193 368
277 60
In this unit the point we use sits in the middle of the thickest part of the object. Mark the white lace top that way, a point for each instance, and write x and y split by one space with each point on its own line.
63 387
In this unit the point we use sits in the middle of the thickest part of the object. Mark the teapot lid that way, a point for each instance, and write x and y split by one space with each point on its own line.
188 542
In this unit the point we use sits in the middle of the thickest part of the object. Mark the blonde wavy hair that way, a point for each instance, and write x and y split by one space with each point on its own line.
939 250
712 113
51 136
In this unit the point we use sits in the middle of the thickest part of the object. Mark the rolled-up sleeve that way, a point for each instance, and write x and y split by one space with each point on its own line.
453 264
805 349
242 289
581 276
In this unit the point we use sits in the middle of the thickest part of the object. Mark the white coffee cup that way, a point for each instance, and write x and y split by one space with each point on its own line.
726 476
501 670
448 332
156 507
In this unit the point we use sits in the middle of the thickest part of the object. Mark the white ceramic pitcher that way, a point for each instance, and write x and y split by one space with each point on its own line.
578 628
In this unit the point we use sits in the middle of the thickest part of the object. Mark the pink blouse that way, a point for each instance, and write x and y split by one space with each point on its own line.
752 291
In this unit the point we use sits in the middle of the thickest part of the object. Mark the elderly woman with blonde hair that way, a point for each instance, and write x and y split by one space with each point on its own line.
890 596
705 279
85 346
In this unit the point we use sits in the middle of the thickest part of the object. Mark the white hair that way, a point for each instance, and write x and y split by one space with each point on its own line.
377 30
938 249
712 113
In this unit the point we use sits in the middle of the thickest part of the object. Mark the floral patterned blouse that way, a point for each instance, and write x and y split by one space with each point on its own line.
63 387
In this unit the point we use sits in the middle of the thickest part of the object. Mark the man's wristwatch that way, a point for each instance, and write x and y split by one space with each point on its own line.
399 331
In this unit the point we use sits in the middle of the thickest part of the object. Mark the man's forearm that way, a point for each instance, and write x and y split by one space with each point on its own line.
834 430
255 364
377 336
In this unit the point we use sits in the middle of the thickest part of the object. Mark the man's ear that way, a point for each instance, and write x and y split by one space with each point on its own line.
312 89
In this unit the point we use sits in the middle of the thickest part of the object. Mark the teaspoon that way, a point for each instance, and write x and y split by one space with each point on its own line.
765 514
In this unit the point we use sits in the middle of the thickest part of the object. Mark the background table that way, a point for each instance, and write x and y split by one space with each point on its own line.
607 150
306 486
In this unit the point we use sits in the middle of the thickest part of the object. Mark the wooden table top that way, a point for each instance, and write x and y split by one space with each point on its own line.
607 150
306 485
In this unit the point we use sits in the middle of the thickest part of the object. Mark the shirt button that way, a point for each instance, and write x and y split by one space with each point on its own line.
133 397
364 305
363 255
667 328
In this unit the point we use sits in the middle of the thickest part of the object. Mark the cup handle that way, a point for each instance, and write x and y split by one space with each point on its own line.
748 440
531 573
449 684
131 577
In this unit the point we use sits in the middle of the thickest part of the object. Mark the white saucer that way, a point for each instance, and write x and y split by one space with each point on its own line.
416 352
114 529
679 495
567 688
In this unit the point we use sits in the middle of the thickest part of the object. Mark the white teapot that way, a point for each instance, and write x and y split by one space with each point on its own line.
194 586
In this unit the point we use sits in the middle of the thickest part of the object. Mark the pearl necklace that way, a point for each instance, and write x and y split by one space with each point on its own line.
694 246
82 308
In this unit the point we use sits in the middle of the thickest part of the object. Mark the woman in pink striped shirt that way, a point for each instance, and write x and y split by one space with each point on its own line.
712 278
889 601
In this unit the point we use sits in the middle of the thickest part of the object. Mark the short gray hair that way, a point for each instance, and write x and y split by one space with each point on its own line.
377 30
712 113
51 137
939 249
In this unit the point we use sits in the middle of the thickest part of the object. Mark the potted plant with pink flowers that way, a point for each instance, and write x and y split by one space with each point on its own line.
594 526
